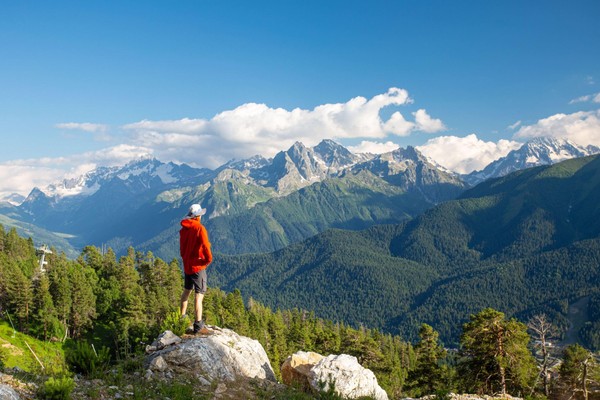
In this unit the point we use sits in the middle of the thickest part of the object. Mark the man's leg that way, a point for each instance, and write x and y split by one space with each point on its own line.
184 300
198 305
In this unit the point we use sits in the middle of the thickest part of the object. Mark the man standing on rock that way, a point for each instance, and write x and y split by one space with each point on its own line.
195 252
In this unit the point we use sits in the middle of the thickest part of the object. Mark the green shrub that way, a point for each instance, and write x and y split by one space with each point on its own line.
2 358
175 323
84 359
56 388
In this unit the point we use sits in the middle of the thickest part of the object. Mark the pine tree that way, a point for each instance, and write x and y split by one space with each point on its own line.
83 299
427 376
496 357
60 289
578 370
19 295
45 319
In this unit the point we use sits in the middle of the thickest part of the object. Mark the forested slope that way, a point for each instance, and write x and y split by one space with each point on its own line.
524 243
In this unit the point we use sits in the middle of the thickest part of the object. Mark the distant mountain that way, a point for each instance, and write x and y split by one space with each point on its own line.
253 205
13 199
301 166
339 191
526 243
539 151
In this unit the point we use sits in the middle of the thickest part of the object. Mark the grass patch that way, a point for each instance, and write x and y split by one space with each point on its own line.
17 353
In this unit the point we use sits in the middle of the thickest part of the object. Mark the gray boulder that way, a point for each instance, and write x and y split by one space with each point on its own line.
8 393
348 378
163 340
222 355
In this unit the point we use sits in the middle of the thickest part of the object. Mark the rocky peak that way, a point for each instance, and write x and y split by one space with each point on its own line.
538 151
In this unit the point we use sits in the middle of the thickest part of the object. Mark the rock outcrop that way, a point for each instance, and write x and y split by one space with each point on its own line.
295 370
8 393
222 356
342 373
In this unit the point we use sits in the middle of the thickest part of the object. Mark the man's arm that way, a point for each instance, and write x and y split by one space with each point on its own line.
206 252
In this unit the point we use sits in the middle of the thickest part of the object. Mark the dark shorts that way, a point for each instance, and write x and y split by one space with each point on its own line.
196 281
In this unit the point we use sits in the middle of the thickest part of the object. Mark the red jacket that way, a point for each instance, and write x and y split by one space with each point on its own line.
194 246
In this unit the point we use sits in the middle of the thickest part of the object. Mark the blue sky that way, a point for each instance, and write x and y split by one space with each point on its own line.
97 82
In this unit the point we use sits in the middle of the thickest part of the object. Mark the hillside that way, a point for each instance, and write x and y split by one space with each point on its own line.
524 243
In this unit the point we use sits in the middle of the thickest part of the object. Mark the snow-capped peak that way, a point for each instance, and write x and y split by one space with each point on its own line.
538 151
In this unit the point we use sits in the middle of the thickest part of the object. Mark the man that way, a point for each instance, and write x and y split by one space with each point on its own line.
195 252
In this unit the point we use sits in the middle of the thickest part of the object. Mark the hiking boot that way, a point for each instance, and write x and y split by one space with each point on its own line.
198 326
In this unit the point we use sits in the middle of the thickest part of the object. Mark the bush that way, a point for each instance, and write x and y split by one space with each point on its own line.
2 358
57 388
175 323
84 359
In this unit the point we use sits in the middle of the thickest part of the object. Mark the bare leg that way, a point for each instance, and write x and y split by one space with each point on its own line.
184 301
198 305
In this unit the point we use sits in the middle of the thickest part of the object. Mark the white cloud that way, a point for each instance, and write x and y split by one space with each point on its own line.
466 154
99 131
83 126
515 125
582 127
373 147
427 124
594 98
242 132
184 125
258 129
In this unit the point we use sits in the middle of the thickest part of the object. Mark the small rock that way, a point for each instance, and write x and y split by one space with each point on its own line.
151 349
165 339
158 364
221 388
204 381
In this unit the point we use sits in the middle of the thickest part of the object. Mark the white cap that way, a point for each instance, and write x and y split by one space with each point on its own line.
195 211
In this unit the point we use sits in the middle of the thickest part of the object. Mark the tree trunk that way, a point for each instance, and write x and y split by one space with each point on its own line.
545 367
501 367
585 378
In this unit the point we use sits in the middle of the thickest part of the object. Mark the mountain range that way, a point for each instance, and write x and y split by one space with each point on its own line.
253 205
389 240
525 244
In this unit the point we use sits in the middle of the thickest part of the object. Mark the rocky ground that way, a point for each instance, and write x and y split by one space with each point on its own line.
16 385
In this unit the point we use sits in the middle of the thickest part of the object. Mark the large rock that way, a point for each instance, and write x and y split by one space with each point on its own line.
295 370
8 393
221 356
347 377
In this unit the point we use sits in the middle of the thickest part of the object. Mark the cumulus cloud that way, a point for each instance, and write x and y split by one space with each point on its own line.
373 147
427 124
258 129
466 154
582 127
